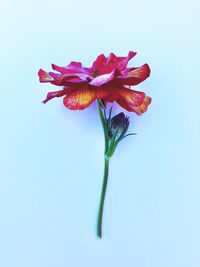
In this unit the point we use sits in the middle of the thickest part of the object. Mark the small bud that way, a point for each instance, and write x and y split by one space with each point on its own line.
119 121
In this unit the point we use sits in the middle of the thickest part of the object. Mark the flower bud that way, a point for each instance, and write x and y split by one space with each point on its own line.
120 122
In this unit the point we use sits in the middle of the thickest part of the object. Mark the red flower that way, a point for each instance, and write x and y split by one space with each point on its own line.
107 79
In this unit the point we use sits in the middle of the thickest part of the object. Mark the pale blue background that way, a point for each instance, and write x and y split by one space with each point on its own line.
52 159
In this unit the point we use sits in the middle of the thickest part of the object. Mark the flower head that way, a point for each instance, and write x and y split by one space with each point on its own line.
107 79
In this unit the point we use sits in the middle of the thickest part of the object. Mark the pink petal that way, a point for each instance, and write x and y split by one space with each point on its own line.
105 78
107 65
133 76
61 79
60 93
72 68
44 77
129 97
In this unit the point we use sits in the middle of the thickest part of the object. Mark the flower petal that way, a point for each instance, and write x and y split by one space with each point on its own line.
133 76
60 93
105 78
106 65
126 96
62 79
65 79
44 77
142 108
82 97
141 73
129 106
72 68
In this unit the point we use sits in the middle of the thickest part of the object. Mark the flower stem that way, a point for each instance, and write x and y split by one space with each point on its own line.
104 125
105 180
114 131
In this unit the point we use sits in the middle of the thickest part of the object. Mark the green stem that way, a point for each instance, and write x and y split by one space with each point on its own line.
105 180
104 126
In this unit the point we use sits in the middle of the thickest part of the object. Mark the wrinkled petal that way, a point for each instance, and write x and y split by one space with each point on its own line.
72 68
105 78
141 73
129 97
133 76
44 77
143 107
129 105
63 79
60 93
107 64
82 97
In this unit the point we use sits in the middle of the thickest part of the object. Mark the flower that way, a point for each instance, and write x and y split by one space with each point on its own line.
107 79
